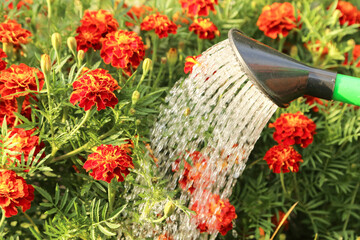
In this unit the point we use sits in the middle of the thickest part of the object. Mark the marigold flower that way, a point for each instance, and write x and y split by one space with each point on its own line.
108 162
2 62
14 192
179 18
17 79
215 215
12 32
95 25
349 13
355 57
283 158
293 128
276 19
9 106
164 237
161 24
95 87
276 221
198 7
190 62
311 100
21 3
204 28
137 12
123 49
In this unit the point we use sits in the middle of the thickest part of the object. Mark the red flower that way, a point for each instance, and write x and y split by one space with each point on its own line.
276 19
214 215
282 158
12 32
204 28
123 49
95 87
2 62
95 25
139 12
293 128
161 24
198 7
190 62
14 192
355 57
21 3
349 13
276 221
108 162
311 100
9 106
17 79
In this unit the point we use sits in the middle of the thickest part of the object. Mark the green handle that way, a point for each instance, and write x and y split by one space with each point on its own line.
347 89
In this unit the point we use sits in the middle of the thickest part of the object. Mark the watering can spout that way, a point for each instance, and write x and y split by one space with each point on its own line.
284 79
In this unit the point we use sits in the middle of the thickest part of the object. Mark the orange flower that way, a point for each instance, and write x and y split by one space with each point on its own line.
282 158
204 28
95 25
179 18
21 3
215 215
355 57
2 62
9 106
276 19
190 62
108 162
12 32
293 128
161 24
17 79
123 49
349 13
311 100
198 7
276 221
14 192
139 12
164 237
95 87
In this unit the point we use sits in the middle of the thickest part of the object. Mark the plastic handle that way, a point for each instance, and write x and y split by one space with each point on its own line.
347 89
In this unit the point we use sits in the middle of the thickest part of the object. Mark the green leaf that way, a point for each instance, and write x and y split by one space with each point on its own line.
44 193
36 234
117 212
113 225
57 194
106 231
64 199
51 211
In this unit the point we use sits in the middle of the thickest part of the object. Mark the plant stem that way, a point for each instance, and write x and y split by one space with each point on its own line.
110 198
31 221
2 219
156 83
87 115
351 203
154 41
48 88
283 183
142 79
200 43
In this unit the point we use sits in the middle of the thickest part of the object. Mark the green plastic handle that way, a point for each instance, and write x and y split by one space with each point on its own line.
347 89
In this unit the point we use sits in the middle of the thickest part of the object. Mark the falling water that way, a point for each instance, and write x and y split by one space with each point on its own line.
219 112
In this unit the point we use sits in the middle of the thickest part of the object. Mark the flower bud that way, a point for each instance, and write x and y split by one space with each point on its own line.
81 55
135 97
163 60
172 56
56 41
187 112
137 122
72 45
147 65
293 51
351 42
132 111
45 64
169 208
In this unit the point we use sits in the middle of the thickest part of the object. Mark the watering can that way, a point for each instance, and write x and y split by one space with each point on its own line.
284 79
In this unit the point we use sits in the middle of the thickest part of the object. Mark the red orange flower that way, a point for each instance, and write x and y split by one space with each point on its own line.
164 237
293 128
198 7
355 57
21 3
95 25
2 62
17 79
95 87
12 32
9 106
311 100
204 28
216 215
190 62
108 162
160 23
349 13
123 49
25 141
14 192
276 19
276 221
137 12
282 158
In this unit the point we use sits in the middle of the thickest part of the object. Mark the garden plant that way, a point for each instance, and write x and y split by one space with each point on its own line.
81 85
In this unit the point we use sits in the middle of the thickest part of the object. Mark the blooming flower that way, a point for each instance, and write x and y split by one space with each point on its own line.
311 100
198 7
108 162
190 62
293 128
18 80
276 221
204 28
214 215
12 32
21 3
137 12
95 87
349 13
9 106
276 19
123 49
355 57
283 158
2 62
160 23
95 25
14 192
